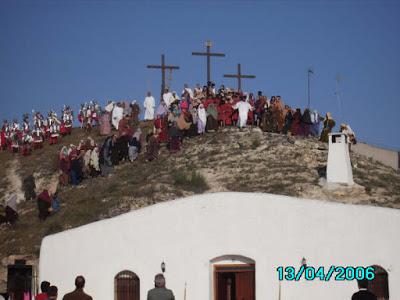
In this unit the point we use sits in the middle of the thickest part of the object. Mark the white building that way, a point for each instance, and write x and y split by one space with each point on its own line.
339 169
215 243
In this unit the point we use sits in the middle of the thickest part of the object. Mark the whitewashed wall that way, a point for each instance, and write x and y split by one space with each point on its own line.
188 233
385 156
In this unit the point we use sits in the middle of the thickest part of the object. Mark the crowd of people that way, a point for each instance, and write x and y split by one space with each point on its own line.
50 292
25 137
195 112
159 292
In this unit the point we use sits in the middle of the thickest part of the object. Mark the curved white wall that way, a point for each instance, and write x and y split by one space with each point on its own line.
188 233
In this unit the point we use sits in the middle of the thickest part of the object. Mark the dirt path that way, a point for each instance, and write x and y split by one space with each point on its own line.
14 182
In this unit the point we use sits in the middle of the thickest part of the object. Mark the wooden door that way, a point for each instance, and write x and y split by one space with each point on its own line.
245 285
127 286
234 282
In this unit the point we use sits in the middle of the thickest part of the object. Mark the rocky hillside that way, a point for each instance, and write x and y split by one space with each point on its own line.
228 160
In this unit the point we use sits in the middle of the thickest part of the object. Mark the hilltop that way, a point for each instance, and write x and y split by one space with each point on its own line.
227 160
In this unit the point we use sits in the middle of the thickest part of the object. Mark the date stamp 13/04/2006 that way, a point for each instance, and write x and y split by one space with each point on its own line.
338 273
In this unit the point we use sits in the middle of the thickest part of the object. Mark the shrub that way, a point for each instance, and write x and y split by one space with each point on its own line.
256 143
190 181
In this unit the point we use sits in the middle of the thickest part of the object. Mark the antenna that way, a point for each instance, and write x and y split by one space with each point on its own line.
338 97
309 72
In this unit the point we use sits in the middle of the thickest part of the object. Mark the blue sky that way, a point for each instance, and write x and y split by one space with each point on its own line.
67 52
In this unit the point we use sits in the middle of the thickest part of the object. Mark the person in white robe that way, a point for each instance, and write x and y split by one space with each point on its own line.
243 107
346 129
94 159
109 107
149 105
188 90
168 98
202 119
117 115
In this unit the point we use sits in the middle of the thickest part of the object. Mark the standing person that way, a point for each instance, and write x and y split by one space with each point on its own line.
75 169
296 129
149 105
64 165
168 98
44 205
117 115
134 148
44 286
363 293
316 120
105 160
135 112
306 122
78 294
243 108
329 123
105 123
345 128
29 187
160 292
52 293
202 119
288 120
152 147
212 117
175 137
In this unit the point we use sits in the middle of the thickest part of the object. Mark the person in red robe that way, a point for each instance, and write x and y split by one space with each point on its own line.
3 140
296 123
250 114
160 124
235 113
260 107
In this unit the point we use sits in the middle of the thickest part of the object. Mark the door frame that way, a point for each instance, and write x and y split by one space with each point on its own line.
233 268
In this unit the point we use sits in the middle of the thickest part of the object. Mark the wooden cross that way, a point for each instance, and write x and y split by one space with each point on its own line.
208 53
239 76
163 67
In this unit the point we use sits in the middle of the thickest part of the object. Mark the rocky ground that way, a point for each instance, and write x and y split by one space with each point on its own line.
227 160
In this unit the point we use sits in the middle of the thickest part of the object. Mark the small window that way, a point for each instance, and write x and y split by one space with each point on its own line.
127 286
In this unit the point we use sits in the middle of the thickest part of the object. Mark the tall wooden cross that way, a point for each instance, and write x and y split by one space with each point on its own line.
239 76
208 53
163 67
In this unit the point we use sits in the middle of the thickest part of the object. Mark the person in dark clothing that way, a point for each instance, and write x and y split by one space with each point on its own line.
78 294
152 147
44 205
29 187
306 122
122 147
114 153
76 170
363 293
267 121
296 128
52 293
175 136
288 122
11 214
160 292
10 217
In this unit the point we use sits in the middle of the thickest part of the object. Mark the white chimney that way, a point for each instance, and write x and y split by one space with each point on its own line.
339 165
